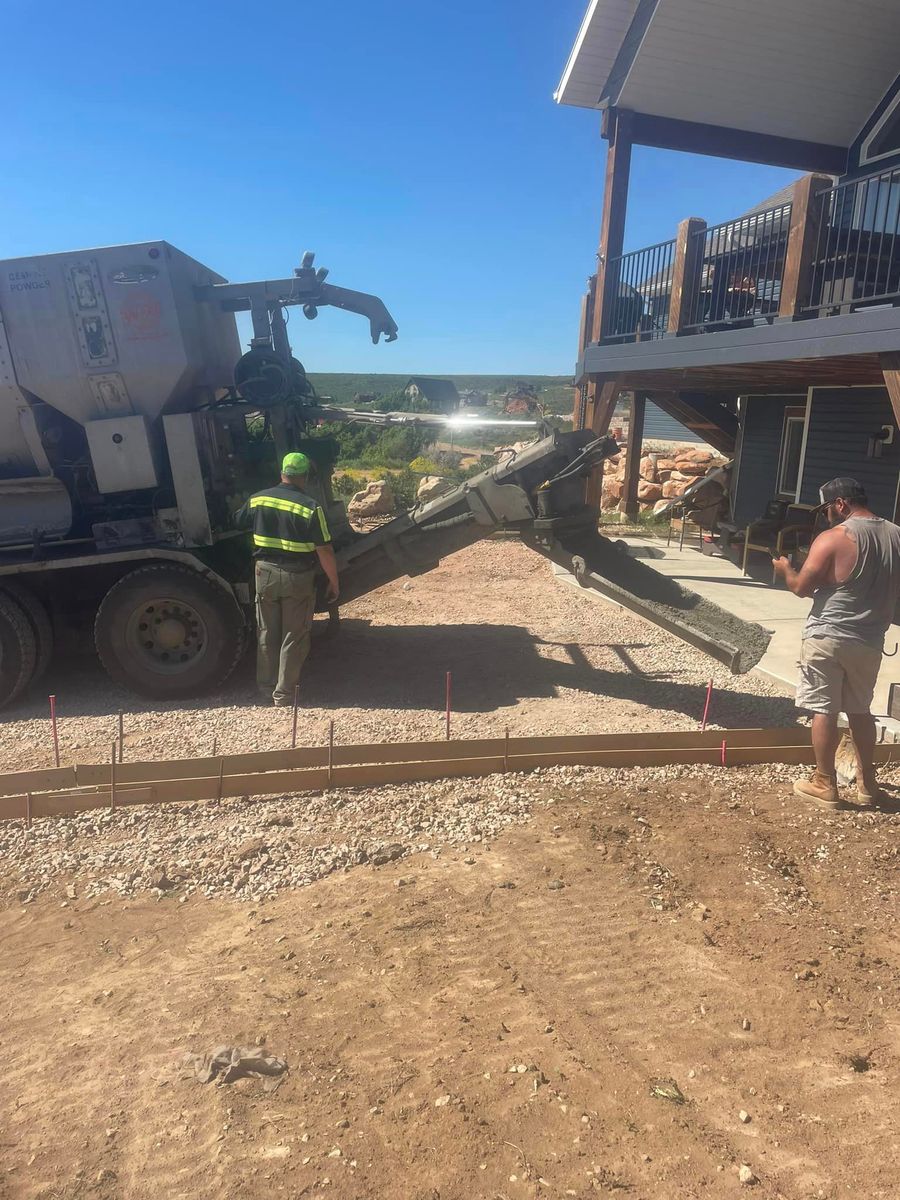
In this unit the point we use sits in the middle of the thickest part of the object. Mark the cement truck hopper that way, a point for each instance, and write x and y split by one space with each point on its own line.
132 427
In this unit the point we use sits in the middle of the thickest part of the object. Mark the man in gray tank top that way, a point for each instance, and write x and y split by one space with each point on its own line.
853 575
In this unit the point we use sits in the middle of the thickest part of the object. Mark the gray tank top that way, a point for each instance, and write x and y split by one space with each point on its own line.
862 608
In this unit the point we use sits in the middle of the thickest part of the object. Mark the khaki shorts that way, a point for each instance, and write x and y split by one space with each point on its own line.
837 675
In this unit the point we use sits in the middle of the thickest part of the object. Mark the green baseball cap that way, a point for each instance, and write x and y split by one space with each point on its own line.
295 464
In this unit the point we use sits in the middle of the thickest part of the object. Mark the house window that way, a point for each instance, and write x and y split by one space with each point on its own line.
791 453
884 139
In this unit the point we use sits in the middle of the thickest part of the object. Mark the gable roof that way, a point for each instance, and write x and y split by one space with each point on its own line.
784 195
436 391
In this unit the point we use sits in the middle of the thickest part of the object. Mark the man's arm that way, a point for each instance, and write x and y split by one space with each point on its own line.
816 571
328 563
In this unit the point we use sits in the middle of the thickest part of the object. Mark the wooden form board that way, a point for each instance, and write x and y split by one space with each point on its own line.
67 790
98 774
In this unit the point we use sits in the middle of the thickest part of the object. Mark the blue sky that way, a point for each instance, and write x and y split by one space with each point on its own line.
415 147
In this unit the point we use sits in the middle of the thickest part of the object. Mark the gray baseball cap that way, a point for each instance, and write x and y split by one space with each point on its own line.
842 488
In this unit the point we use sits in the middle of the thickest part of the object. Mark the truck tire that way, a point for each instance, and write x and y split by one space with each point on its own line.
18 650
167 632
36 614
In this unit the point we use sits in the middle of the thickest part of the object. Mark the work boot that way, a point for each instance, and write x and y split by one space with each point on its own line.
820 788
868 793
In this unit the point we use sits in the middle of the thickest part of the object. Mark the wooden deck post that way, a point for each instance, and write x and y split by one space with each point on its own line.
890 368
600 409
629 504
686 268
584 388
615 198
803 237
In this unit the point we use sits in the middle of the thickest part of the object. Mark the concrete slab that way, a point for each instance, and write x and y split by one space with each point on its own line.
776 609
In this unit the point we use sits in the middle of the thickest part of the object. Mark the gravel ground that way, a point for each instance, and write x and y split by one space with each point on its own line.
252 850
526 652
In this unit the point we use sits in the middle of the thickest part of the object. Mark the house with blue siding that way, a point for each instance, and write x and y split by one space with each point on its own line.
773 335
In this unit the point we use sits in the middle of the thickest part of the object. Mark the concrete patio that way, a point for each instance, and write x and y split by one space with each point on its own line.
776 609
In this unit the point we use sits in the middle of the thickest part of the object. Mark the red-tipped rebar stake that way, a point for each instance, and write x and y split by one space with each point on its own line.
706 707
449 694
53 723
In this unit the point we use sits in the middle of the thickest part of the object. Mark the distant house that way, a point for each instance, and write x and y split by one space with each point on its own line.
439 394
473 398
522 400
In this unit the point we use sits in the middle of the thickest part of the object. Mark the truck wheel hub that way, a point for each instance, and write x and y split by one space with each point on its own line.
167 634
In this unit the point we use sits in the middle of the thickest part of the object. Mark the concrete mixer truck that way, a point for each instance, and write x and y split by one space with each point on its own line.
132 428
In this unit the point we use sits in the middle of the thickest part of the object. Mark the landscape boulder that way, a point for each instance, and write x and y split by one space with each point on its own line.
376 500
611 493
431 486
649 493
692 467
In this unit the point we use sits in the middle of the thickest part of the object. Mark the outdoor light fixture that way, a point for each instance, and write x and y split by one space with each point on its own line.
884 437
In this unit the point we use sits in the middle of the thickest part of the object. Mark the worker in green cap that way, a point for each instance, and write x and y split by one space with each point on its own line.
290 538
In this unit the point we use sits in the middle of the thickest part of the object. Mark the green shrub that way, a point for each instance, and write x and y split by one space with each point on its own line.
424 466
346 485
404 485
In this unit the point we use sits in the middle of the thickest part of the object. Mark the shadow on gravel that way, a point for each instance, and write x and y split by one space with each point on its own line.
496 665
404 667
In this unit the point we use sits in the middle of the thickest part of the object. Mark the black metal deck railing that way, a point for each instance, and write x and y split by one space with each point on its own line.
639 288
857 256
742 270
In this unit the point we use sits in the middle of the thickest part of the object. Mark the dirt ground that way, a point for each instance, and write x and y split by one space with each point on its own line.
484 1023
645 982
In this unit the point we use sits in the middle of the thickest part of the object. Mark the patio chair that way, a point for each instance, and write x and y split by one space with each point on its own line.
775 533
681 517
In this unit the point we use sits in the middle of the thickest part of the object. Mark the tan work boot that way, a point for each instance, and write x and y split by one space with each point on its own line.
868 793
820 788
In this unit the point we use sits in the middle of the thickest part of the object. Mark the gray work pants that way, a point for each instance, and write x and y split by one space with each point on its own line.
285 603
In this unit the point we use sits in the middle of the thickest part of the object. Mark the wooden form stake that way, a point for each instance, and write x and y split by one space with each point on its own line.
121 736
706 707
294 723
53 724
331 753
221 781
506 750
449 695
28 810
112 780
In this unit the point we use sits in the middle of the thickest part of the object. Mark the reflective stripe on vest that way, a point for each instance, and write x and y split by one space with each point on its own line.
273 543
322 525
299 510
